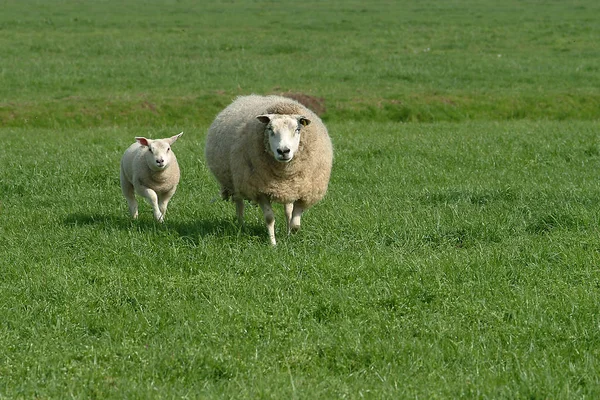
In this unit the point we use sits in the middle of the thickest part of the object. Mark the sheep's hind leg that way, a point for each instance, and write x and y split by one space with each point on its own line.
239 210
129 194
267 210
152 198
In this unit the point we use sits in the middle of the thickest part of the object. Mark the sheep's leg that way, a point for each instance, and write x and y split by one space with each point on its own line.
163 201
129 194
296 215
289 207
267 210
152 198
239 210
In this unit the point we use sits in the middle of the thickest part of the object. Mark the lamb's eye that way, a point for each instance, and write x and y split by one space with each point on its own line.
168 149
150 150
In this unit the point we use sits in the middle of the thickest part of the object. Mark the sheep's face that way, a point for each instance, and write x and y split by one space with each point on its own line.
282 134
158 152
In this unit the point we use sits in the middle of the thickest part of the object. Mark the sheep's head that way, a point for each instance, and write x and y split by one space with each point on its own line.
158 154
282 134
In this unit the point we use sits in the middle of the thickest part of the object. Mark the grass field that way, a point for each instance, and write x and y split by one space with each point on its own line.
457 253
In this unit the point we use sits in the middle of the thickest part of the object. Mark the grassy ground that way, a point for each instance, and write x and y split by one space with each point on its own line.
148 63
455 257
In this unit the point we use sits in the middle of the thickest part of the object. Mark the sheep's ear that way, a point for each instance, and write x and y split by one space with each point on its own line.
303 121
142 140
265 119
172 139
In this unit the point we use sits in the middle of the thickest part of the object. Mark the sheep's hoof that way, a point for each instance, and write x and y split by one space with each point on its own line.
294 228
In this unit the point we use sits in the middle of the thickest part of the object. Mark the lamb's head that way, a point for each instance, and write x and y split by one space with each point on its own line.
158 152
282 134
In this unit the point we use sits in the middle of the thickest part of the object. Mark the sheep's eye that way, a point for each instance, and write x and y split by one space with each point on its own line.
168 149
150 150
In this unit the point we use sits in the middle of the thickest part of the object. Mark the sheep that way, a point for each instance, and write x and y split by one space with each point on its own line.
270 149
150 169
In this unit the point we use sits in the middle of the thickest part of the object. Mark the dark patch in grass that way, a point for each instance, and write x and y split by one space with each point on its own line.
94 329
478 198
550 222
592 151
461 237
190 231
326 312
14 189
82 219
345 360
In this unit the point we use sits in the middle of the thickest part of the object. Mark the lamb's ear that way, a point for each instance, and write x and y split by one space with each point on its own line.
172 139
302 120
265 119
142 140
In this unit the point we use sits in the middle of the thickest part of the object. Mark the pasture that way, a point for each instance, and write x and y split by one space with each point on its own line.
456 254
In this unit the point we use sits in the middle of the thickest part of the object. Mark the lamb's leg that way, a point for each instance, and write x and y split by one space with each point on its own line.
289 208
129 194
239 210
296 215
267 210
163 201
152 198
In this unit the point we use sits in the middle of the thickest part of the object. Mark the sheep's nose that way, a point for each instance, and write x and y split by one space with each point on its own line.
160 161
284 152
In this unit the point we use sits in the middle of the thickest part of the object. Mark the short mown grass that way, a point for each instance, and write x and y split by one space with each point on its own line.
456 253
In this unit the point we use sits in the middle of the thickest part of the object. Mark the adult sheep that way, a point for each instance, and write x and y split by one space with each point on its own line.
270 149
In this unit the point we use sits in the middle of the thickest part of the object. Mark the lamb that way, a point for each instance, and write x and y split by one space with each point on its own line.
270 149
150 169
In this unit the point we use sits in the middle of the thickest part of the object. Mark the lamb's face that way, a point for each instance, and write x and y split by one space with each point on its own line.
283 134
157 153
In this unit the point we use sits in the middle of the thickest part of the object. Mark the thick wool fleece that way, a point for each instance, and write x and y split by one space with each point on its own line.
237 154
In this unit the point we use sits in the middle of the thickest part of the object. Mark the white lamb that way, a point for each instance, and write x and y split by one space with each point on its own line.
270 149
150 169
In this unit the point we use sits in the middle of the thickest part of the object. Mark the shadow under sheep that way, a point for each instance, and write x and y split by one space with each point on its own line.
191 230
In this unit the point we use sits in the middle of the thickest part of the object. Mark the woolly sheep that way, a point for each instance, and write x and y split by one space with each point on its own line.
150 169
270 149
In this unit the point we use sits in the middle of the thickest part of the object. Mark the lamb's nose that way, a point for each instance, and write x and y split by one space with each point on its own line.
284 152
160 161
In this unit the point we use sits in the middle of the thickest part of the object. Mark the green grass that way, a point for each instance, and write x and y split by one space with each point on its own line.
456 256
447 260
137 63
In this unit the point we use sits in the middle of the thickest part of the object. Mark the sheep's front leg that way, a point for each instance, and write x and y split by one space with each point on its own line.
163 201
152 198
267 210
289 208
296 215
